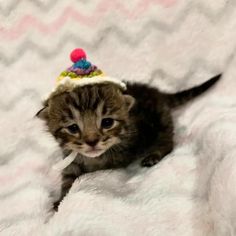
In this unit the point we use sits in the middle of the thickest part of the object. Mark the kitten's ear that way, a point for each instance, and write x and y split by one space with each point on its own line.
43 113
129 101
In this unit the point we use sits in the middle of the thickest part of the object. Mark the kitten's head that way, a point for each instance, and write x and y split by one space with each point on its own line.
90 119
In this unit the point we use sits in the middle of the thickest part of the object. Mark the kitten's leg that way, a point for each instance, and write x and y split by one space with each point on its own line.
164 147
69 175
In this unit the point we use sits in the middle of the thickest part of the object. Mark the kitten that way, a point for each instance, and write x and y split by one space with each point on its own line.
109 128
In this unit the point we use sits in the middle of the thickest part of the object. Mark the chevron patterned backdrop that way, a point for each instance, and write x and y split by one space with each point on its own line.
158 40
169 43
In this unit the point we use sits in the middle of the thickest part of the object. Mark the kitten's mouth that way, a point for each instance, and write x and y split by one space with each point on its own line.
94 152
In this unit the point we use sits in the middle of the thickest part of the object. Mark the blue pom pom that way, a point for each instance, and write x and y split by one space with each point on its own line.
82 64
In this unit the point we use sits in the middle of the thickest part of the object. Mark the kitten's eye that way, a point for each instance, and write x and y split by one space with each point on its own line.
73 128
107 123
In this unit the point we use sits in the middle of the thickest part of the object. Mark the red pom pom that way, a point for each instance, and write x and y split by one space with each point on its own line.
77 54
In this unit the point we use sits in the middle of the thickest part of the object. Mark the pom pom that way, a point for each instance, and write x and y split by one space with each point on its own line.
77 54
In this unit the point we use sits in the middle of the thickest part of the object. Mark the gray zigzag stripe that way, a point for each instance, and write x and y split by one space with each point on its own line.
196 65
14 4
155 75
47 7
18 148
32 94
42 6
29 45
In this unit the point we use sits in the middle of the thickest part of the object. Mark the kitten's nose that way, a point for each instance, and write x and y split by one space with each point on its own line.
92 142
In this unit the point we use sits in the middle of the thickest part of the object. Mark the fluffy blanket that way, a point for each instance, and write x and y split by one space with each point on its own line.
171 44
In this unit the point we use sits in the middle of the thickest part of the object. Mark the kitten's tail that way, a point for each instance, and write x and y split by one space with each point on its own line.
183 97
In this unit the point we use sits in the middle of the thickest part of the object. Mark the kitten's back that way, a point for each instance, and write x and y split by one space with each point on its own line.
151 97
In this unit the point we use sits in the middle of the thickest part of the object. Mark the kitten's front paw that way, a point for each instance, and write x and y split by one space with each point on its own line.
150 160
56 205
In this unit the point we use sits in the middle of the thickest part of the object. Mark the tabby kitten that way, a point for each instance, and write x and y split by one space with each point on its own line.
109 128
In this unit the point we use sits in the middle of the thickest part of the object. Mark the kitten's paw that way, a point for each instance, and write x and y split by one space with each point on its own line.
150 160
56 205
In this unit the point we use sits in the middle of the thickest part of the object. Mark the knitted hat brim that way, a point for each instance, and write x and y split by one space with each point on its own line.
67 84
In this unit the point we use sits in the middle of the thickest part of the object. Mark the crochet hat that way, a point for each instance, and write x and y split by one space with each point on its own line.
82 73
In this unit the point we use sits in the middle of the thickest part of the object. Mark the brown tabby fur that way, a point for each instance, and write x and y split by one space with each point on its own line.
143 125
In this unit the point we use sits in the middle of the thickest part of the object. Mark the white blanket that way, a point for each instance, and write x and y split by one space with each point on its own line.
192 191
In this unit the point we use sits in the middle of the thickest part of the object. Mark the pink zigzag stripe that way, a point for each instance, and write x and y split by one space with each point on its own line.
28 21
